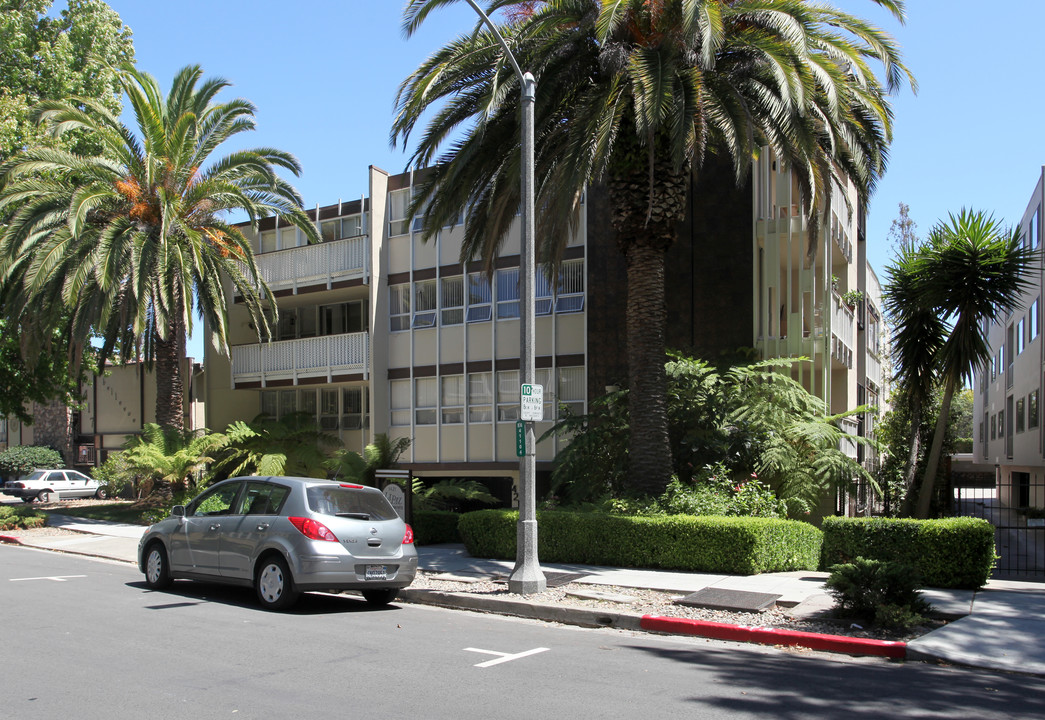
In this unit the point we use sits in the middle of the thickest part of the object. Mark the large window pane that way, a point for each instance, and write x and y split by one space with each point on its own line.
572 389
328 410
452 289
399 306
507 395
426 400
400 398
398 202
508 293
479 297
424 303
453 399
480 397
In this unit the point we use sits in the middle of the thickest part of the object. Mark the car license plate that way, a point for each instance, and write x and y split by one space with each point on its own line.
376 572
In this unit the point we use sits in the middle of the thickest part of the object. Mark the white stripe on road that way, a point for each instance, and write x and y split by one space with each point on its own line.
503 657
53 578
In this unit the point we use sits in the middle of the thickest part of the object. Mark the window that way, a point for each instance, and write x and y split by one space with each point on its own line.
328 410
1033 321
994 367
453 399
1020 405
571 287
426 400
270 403
542 294
479 297
399 306
268 241
572 389
398 203
288 402
1020 335
216 502
288 237
508 293
1032 410
340 318
480 397
354 410
3 430
1001 423
400 390
348 227
330 230
994 427
424 304
262 499
1033 232
307 402
452 300
508 396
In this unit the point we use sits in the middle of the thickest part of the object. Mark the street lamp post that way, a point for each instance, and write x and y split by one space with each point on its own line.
527 577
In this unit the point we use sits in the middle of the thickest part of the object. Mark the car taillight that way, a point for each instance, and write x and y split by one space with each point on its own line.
312 530
408 536
350 485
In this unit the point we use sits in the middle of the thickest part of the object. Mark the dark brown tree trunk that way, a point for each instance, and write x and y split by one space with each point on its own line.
649 454
647 201
170 396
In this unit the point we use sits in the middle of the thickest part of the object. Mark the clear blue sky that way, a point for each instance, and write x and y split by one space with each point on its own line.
323 75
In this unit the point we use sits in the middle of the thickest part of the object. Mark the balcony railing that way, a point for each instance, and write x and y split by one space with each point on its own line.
310 357
323 263
874 372
843 324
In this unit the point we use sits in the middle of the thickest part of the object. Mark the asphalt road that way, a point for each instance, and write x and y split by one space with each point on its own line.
85 639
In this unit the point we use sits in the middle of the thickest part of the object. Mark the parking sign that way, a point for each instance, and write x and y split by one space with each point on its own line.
531 402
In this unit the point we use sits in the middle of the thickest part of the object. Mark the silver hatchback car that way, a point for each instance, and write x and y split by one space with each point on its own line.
284 536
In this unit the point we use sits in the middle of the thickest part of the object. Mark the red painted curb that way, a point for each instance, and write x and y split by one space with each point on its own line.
776 636
10 539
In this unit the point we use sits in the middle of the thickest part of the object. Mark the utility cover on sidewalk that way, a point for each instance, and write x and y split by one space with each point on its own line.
736 600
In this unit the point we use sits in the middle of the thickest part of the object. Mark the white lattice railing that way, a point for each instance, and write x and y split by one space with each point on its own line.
849 426
843 325
325 262
309 357
874 371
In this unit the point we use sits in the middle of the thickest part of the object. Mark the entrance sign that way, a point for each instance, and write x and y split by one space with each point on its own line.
531 402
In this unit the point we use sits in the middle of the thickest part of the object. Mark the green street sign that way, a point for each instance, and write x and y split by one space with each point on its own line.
520 438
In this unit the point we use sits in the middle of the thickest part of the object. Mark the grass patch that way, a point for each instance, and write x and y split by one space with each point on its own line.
131 513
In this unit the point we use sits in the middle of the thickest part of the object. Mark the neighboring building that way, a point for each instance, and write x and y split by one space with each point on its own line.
115 407
1007 425
379 333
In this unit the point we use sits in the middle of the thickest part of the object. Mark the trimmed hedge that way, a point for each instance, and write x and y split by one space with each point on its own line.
15 518
947 553
740 545
23 459
435 526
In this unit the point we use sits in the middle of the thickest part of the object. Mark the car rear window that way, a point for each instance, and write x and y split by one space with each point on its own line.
349 502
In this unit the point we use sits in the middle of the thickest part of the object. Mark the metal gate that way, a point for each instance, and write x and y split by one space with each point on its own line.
1019 537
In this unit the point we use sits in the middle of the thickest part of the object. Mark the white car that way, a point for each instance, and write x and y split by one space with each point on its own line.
49 485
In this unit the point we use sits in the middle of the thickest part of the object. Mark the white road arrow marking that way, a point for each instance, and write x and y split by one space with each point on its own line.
53 578
503 657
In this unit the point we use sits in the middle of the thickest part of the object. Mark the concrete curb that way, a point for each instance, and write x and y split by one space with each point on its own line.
776 636
650 623
10 539
521 608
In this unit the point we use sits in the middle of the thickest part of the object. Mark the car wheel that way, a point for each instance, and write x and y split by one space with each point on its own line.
28 499
157 571
46 496
101 494
380 597
274 585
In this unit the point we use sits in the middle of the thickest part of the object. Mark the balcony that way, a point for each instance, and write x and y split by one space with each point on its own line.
843 326
321 264
306 358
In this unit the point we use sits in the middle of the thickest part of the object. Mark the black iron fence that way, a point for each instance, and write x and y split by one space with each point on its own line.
1013 507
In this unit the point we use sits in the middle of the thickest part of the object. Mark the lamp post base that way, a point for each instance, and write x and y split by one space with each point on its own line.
527 577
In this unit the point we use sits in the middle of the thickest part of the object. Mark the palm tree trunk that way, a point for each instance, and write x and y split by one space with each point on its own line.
911 467
649 459
925 493
170 396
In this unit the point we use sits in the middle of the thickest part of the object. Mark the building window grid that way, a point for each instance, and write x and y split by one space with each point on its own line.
452 399
399 307
508 293
479 298
451 300
398 204
480 397
424 303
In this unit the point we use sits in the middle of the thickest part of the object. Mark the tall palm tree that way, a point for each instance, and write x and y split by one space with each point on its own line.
918 338
130 243
635 94
970 270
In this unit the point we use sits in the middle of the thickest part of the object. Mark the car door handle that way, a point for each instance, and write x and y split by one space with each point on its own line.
215 526
262 527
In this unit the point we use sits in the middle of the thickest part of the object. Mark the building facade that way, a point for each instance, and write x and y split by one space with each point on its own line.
115 407
380 333
1007 425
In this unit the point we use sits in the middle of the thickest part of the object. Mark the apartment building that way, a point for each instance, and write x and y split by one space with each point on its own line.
380 333
1008 431
115 406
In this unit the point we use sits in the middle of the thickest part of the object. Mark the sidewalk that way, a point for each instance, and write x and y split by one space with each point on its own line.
1000 627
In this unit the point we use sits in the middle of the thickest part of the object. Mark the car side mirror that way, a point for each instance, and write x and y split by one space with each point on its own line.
178 511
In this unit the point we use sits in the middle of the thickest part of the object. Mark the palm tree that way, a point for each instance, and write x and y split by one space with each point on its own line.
635 94
130 243
970 270
919 336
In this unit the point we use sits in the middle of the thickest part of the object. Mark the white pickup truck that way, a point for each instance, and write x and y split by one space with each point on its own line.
50 485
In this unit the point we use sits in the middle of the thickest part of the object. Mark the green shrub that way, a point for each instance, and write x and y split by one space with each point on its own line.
14 518
882 593
947 553
435 526
741 545
23 459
